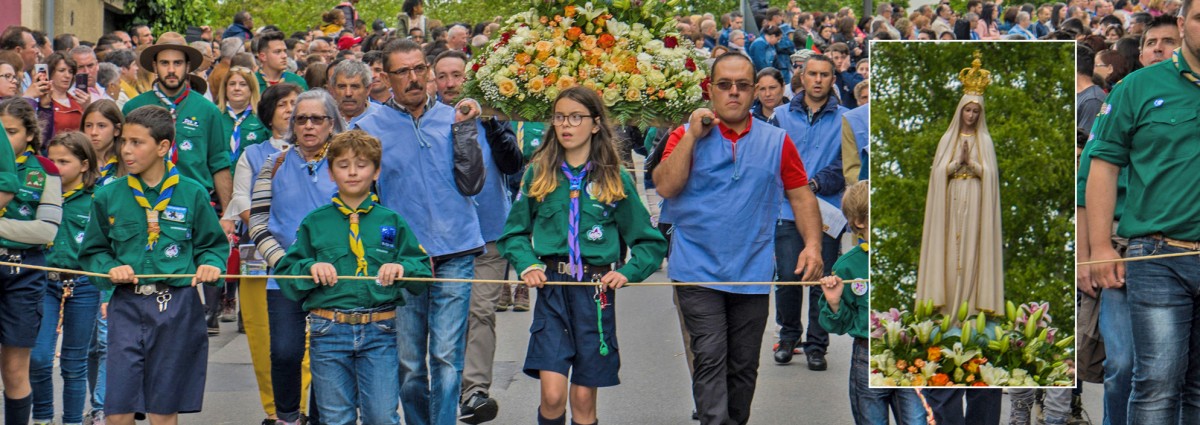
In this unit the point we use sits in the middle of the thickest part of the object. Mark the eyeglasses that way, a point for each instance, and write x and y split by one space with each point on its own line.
314 119
10 77
419 70
742 86
572 120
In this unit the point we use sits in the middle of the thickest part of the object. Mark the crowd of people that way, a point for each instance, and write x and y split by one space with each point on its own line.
241 140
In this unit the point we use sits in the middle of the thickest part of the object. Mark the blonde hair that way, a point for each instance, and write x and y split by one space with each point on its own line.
606 163
856 206
251 81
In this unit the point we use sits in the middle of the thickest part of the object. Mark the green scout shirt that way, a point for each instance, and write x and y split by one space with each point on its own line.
8 166
31 179
529 136
323 237
253 132
1148 124
77 210
191 234
1085 167
853 313
287 77
203 147
539 229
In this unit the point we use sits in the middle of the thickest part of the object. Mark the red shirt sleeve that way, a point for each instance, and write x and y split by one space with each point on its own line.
790 168
672 140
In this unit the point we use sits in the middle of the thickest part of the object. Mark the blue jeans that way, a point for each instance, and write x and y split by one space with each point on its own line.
1166 334
870 406
287 329
97 356
79 315
789 299
352 369
1117 331
435 324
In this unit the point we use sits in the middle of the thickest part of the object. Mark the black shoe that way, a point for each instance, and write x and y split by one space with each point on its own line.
695 415
816 361
478 408
268 421
783 352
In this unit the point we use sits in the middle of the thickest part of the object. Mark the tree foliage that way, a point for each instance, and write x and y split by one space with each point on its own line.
1030 115
168 15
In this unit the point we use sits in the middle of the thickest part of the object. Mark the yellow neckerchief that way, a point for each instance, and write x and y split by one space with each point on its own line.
356 245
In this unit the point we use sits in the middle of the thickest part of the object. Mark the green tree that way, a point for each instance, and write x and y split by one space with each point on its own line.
167 15
1030 114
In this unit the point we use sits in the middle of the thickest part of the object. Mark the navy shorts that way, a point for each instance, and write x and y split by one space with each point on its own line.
564 337
21 301
157 361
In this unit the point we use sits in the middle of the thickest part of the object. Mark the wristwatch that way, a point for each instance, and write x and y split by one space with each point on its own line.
812 184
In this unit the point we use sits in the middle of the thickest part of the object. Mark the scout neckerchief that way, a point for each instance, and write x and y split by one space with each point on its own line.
68 193
171 178
575 261
1190 75
108 171
29 152
356 245
172 106
235 139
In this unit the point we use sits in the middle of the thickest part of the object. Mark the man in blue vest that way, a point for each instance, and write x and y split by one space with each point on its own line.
813 121
754 165
422 144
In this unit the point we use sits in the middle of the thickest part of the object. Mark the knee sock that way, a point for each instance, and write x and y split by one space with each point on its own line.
542 420
16 411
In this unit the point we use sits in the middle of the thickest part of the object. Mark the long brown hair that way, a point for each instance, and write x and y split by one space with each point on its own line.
111 112
81 148
606 163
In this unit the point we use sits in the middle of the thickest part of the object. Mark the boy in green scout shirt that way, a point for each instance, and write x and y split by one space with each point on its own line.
846 312
352 325
154 221
201 149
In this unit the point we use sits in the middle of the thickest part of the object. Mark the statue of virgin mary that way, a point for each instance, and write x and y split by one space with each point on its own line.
961 248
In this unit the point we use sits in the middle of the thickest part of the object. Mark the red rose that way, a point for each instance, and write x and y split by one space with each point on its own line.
704 86
691 65
670 41
475 67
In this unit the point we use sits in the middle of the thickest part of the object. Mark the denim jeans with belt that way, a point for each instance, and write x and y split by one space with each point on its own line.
432 327
1166 334
353 369
79 315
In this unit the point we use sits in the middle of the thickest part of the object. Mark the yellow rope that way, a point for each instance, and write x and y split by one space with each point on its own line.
409 279
1148 257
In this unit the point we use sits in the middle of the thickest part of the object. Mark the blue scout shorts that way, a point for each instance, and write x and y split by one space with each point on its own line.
564 337
21 293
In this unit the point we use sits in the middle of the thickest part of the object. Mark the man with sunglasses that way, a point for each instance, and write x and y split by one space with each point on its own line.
731 158
432 166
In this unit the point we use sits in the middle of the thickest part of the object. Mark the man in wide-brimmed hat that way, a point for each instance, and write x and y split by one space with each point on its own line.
200 152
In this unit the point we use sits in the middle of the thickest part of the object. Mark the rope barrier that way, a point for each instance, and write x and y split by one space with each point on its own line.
1148 257
410 279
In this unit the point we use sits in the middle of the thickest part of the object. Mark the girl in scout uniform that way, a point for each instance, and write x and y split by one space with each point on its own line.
352 323
102 121
576 206
153 221
29 222
71 303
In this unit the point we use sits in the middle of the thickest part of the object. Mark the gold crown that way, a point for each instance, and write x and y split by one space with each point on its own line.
975 79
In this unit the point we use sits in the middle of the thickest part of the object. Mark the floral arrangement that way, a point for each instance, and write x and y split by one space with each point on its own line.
623 50
921 348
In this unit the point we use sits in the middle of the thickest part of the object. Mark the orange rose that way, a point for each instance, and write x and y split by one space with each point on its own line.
971 367
939 380
934 353
606 40
544 20
919 363
574 32
565 83
979 384
569 11
918 381
523 58
912 369
901 364
550 79
587 42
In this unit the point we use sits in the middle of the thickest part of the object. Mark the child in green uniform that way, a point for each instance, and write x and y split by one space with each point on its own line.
153 221
575 207
29 221
71 303
352 323
845 312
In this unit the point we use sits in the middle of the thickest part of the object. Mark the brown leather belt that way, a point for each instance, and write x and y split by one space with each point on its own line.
354 318
562 266
1189 245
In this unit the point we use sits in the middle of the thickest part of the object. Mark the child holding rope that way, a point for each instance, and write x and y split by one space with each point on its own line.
845 312
575 207
154 221
71 302
352 323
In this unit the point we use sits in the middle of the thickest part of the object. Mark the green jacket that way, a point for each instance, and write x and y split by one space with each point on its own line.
287 77
253 132
77 210
202 146
31 181
538 229
8 165
853 313
323 237
191 234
